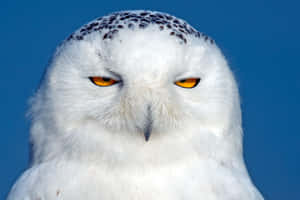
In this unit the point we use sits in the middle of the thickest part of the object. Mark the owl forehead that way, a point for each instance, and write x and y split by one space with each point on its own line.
146 48
150 53
138 53
110 25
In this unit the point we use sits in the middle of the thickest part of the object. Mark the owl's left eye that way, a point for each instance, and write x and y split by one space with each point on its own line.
188 83
103 81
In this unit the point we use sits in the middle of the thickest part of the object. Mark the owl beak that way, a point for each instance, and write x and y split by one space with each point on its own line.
148 124
147 134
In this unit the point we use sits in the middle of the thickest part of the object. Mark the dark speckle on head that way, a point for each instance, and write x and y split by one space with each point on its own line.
145 20
109 26
105 36
143 25
114 31
176 21
160 16
144 13
130 25
79 37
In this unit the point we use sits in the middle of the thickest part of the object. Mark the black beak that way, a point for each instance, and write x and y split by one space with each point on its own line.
148 125
147 135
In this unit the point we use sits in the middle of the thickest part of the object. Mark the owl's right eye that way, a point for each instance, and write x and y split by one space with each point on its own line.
103 81
188 83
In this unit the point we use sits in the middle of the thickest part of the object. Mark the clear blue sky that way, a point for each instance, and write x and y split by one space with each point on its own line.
261 40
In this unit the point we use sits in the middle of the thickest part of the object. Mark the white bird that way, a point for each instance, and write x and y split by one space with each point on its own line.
136 105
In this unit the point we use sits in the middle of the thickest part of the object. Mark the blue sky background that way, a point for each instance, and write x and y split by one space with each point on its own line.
259 38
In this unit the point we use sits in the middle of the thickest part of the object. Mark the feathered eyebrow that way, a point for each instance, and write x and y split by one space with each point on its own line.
181 74
113 73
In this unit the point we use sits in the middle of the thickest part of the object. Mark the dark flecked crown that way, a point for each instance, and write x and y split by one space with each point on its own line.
109 25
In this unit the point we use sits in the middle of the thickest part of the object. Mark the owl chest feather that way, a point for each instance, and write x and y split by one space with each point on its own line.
79 181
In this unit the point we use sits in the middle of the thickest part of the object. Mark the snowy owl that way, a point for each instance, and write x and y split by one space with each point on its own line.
136 105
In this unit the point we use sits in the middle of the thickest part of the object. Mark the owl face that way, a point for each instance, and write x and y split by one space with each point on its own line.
135 85
140 82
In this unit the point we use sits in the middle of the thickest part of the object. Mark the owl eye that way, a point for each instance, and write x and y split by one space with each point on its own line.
188 83
103 81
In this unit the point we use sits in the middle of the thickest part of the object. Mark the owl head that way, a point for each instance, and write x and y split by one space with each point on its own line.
135 82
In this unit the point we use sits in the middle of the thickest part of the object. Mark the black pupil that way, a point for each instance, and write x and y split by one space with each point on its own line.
106 79
182 81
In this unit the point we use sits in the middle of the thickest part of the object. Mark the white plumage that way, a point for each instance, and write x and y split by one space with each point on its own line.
89 141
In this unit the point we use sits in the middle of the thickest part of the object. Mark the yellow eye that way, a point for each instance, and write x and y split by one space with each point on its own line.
103 81
188 83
